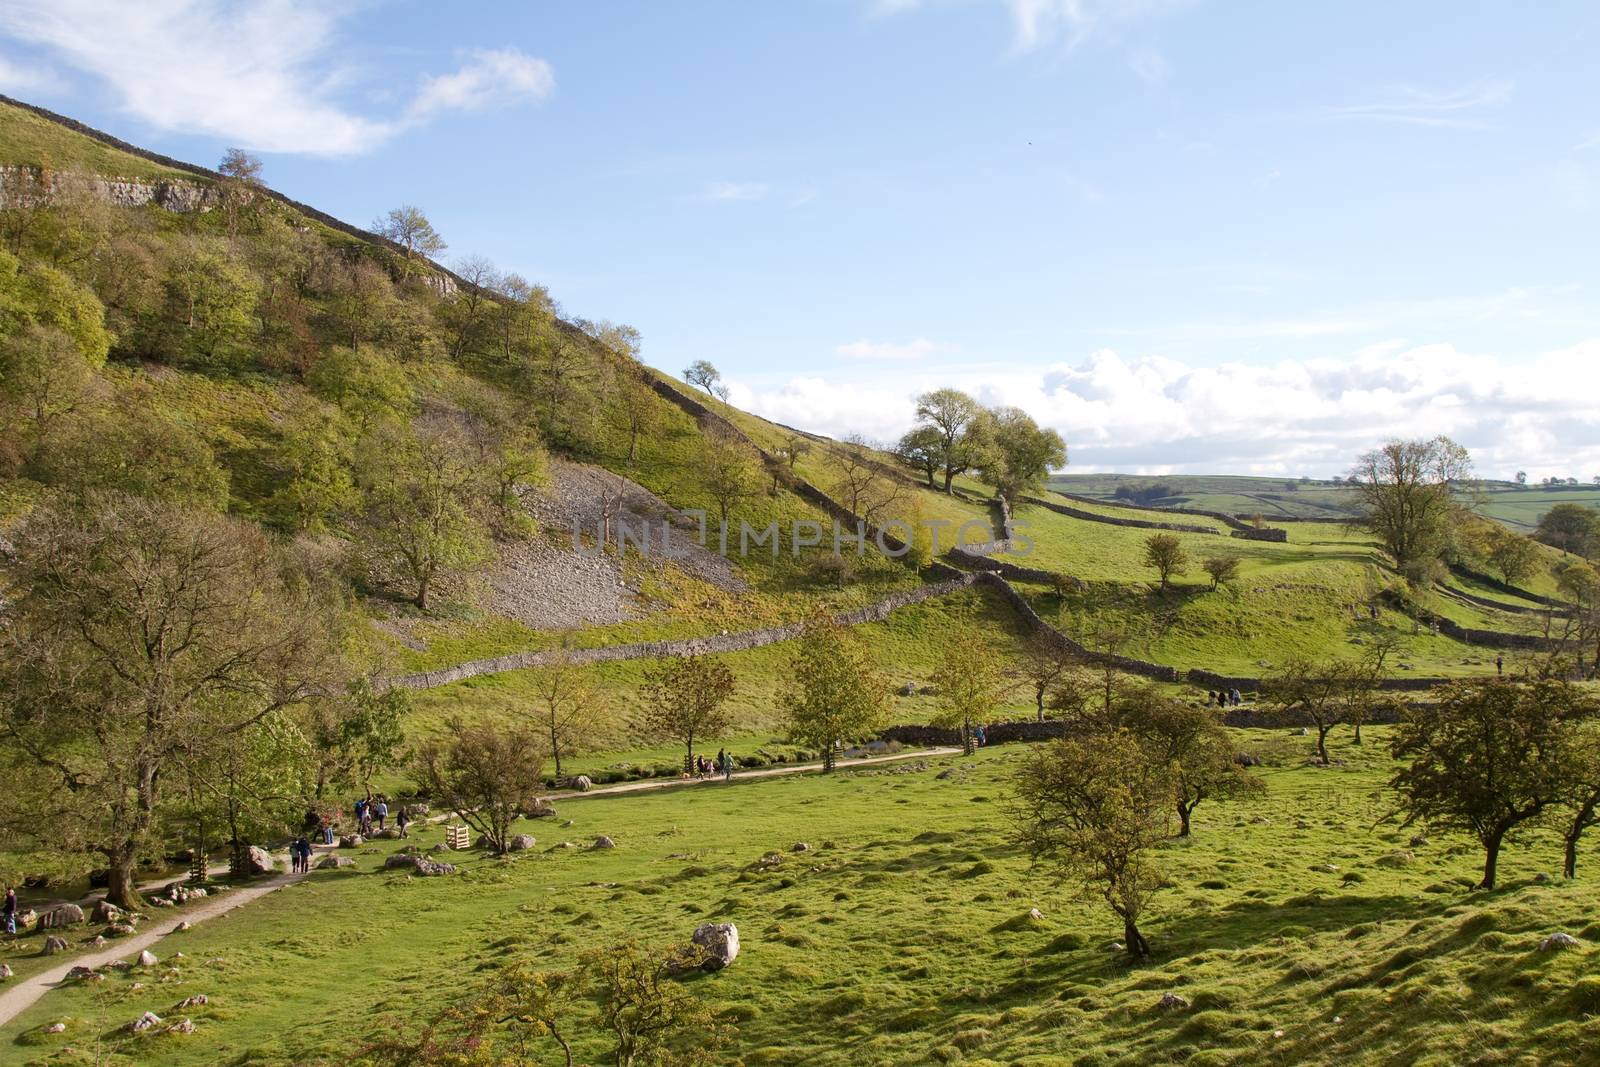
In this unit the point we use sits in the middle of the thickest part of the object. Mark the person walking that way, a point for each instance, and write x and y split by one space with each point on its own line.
11 911
725 764
1500 665
383 812
327 829
402 820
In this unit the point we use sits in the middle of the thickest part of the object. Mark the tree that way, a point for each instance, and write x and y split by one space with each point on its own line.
241 182
487 774
1484 758
969 682
922 449
1166 554
685 699
1581 796
727 470
210 305
141 637
957 420
704 375
1046 660
835 691
652 1017
1311 690
1019 454
569 705
635 409
860 481
1522 477
417 521
1406 501
1572 528
795 447
1095 809
1222 569
356 734
43 374
251 783
409 228
1512 554
1192 743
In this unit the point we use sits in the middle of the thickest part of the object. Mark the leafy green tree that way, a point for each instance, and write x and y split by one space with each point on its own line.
1484 758
969 682
958 421
570 707
210 305
143 638
250 785
1571 528
1167 555
1512 554
1096 809
653 1018
922 449
240 185
1192 743
1406 499
727 470
35 294
1222 569
419 491
363 383
704 375
310 463
686 700
487 774
43 374
134 447
1318 691
834 689
1019 454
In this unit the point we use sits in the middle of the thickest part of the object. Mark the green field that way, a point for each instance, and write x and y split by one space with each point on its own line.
1300 930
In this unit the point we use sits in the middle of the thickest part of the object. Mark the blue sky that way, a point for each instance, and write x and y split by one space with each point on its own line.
1248 237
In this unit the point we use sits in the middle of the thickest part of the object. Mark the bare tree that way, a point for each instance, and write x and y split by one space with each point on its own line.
409 228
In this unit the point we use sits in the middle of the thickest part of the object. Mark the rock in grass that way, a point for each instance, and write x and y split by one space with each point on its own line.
184 1027
182 926
603 842
582 783
332 862
352 841
419 865
119 929
147 959
105 912
52 945
1557 941
520 843
800 846
1172 1002
84 974
56 1028
196 1001
149 1020
541 809
5 972
1417 841
719 942
1398 858
60 916
258 860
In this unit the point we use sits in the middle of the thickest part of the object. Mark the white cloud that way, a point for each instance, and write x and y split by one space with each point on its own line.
889 351
1150 65
1289 417
1410 105
260 73
736 191
488 79
1268 178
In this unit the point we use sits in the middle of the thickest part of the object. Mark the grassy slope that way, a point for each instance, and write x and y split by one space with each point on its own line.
899 939
28 138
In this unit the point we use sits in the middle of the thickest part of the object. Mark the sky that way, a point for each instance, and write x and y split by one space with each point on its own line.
1193 237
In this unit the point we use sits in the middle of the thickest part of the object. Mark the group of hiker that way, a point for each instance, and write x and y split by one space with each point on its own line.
706 766
1225 698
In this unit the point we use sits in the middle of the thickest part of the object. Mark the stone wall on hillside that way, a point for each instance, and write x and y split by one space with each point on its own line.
684 646
1504 587
1112 520
1242 528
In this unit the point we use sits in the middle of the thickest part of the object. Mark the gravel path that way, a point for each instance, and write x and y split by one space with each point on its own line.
16 999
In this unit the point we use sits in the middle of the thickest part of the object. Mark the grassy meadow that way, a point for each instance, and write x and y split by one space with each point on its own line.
1300 929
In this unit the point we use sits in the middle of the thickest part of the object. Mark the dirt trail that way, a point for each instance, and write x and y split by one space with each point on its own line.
14 999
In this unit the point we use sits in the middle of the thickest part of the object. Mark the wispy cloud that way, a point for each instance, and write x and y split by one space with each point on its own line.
1266 180
736 191
1410 105
260 73
1150 65
892 352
